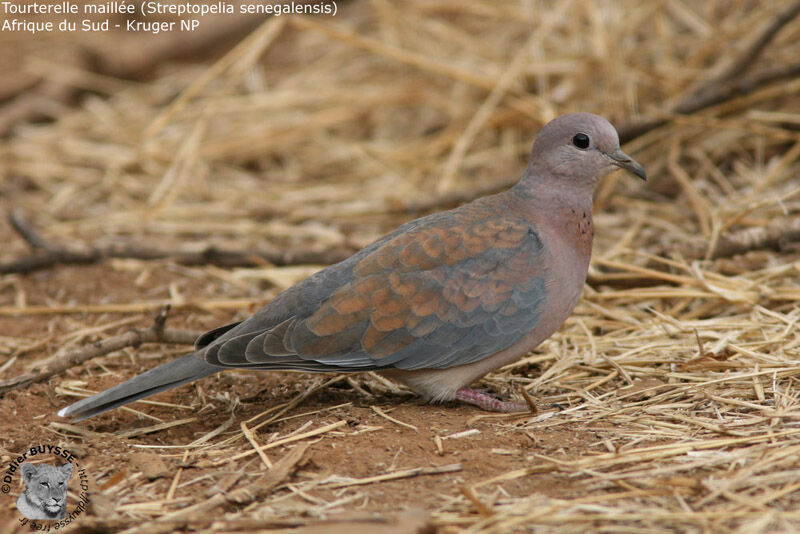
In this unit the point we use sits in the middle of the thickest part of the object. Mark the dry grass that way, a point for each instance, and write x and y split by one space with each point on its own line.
319 133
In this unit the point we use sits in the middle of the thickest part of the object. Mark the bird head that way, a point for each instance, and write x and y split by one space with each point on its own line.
578 149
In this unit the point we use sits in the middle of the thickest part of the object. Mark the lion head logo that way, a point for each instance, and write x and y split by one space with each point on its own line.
45 495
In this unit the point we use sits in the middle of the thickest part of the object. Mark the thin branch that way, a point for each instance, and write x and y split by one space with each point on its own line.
132 338
24 228
396 475
730 82
249 493
47 254
713 94
726 90
758 42
777 236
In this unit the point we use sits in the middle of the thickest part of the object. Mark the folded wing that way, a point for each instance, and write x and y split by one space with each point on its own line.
437 295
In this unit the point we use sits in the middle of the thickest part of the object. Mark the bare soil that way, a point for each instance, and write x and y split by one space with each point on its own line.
369 445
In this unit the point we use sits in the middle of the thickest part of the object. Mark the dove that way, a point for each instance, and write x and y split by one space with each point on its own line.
439 302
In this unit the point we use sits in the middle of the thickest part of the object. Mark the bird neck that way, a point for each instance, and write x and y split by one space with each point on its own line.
549 201
562 212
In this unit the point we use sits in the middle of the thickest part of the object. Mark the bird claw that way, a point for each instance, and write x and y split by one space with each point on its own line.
488 402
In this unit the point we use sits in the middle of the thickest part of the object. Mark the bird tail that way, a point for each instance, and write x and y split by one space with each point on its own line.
163 377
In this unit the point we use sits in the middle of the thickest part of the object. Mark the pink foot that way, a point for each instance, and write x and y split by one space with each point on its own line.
489 403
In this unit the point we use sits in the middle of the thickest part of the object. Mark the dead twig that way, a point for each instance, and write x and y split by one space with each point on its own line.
47 254
529 401
273 444
132 338
392 419
777 236
405 473
724 90
714 93
759 41
479 505
730 82
127 307
263 486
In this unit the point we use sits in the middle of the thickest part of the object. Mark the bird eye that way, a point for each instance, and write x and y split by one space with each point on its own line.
581 141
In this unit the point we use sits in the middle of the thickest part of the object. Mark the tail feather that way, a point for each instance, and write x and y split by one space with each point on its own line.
169 375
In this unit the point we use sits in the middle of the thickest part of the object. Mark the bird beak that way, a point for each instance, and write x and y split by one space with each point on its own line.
624 161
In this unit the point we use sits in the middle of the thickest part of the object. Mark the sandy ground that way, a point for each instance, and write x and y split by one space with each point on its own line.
368 445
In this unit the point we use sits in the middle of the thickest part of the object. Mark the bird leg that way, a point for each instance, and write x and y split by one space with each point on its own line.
488 402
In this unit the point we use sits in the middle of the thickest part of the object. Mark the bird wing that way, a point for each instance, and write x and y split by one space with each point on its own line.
436 295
